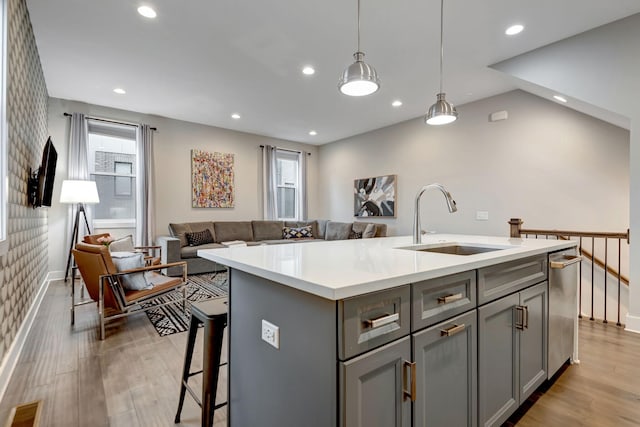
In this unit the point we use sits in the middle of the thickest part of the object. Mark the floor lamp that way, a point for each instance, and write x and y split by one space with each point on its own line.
80 193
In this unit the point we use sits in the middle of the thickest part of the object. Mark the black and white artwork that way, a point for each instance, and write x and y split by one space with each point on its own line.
375 196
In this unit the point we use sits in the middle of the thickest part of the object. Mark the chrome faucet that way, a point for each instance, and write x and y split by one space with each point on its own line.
451 205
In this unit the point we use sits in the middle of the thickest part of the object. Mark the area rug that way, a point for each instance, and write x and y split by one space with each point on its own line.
170 319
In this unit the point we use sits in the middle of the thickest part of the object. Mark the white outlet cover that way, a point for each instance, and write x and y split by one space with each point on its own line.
482 216
270 333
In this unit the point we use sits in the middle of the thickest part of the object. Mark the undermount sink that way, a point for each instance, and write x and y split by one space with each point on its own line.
455 248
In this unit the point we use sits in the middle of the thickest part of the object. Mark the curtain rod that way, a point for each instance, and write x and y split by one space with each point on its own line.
287 149
110 121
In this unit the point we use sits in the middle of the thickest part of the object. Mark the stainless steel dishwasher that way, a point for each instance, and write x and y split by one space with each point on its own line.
563 308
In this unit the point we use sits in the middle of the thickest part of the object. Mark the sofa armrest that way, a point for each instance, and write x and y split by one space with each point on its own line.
169 253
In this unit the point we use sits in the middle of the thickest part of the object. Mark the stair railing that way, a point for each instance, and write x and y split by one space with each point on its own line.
517 231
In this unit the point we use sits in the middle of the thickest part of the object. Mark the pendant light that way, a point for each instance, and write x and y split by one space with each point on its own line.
360 78
441 112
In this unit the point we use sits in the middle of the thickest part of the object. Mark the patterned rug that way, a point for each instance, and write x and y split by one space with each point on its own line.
170 319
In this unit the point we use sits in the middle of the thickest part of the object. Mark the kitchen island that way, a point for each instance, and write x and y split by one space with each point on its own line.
371 332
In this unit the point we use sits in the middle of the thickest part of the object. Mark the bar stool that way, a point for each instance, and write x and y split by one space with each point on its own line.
213 315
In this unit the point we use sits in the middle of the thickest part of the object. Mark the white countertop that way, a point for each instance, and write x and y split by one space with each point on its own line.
345 268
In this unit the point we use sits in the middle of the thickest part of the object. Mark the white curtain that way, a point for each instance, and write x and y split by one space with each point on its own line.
145 214
269 189
302 163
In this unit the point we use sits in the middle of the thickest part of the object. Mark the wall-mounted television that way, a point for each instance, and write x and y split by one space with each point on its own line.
41 180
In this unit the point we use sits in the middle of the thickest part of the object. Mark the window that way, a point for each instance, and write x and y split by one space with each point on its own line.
4 172
112 156
288 197
124 178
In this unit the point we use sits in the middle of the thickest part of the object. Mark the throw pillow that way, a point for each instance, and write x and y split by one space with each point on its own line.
124 244
129 261
369 232
355 235
198 238
297 232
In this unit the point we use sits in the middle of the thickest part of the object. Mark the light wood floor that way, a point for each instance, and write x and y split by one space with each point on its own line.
132 378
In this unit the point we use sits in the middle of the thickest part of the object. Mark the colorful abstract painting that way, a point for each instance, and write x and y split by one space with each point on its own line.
375 196
212 180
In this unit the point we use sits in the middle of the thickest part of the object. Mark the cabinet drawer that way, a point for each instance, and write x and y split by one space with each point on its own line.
439 299
368 321
503 279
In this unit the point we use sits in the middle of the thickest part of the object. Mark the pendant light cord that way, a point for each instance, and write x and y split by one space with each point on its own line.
358 25
441 37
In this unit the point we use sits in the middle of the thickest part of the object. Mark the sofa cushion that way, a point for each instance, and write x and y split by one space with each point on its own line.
198 238
179 229
267 230
297 232
338 230
313 223
192 251
369 231
233 230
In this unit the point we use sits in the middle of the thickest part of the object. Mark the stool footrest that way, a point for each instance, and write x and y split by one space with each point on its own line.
192 393
191 374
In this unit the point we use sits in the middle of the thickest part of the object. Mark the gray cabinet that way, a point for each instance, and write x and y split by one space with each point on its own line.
512 348
373 387
446 370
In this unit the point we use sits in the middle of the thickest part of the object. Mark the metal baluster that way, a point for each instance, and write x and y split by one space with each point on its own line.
593 249
580 282
619 273
605 280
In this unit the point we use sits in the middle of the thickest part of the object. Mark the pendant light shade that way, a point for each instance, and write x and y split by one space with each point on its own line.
359 78
442 112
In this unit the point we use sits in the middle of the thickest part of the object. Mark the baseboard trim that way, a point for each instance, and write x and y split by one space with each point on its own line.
632 324
13 354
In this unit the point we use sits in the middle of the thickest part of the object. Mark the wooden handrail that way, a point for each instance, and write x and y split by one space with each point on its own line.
518 231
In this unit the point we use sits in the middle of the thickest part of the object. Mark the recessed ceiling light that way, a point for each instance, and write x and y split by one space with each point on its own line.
560 98
120 91
235 116
308 70
514 29
147 12
396 103
313 133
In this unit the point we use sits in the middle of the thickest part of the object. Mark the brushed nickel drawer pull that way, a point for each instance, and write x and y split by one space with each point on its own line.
568 260
385 319
449 298
525 320
455 329
411 393
520 317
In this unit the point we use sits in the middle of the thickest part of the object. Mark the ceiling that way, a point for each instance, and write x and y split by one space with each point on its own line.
202 60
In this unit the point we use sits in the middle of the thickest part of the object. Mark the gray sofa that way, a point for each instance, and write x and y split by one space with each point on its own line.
176 247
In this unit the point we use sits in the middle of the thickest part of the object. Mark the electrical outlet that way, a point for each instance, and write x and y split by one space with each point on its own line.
270 333
482 215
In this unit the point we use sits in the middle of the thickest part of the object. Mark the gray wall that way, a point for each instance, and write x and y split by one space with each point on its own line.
24 267
551 166
173 142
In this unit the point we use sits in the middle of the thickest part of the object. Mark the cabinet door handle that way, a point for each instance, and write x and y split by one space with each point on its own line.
411 392
455 329
382 320
525 320
519 317
449 298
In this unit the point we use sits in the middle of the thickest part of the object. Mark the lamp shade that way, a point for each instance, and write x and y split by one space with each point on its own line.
442 112
76 191
359 79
